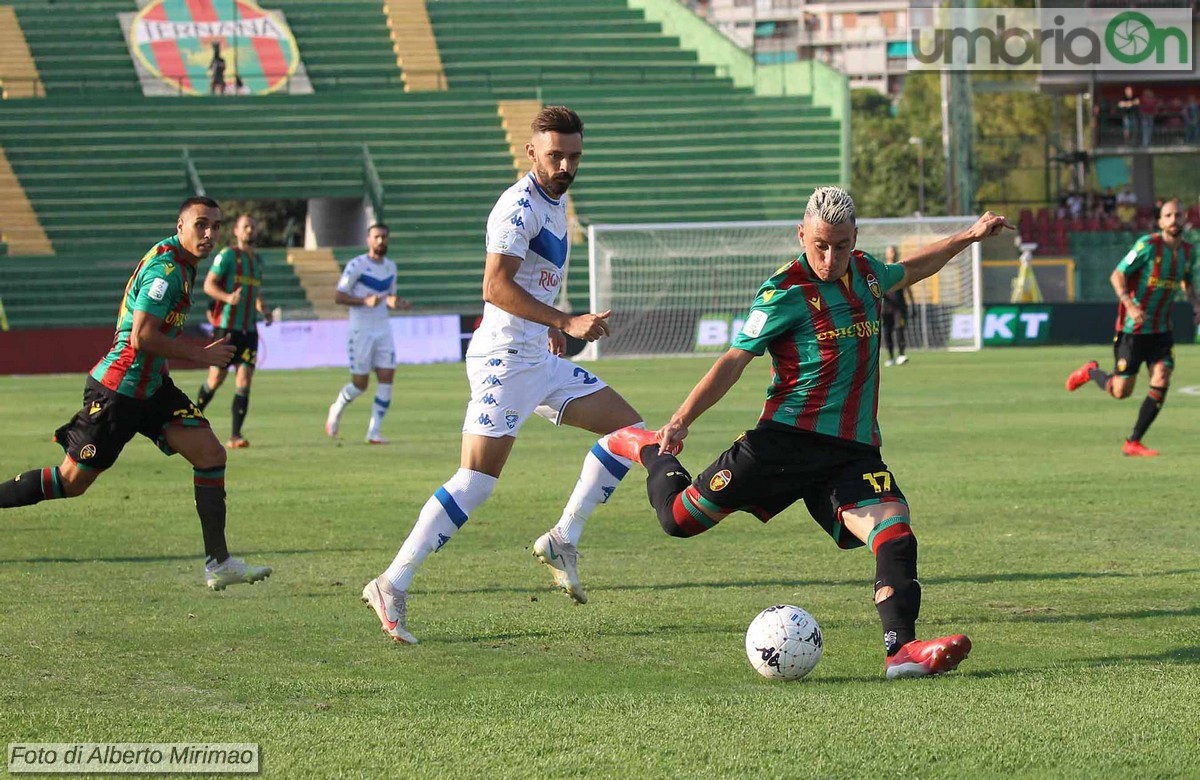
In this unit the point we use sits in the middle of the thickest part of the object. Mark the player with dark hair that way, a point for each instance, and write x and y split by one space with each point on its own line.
817 439
368 286
1146 281
130 392
517 371
235 284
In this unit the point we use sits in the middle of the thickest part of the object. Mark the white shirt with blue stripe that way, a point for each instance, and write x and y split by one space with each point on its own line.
362 277
529 224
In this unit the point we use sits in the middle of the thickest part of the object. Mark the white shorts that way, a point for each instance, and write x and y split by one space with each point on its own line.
505 394
370 349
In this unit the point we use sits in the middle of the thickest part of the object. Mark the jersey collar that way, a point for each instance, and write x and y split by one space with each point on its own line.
541 191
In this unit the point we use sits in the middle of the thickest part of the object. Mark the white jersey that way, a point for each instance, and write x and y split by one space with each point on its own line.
525 223
362 277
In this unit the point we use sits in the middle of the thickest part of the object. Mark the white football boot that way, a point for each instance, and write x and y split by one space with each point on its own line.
562 558
391 607
234 571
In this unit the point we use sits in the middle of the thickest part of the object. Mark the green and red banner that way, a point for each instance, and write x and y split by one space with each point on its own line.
172 44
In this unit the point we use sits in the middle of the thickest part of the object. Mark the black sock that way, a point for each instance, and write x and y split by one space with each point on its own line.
666 479
204 396
1100 378
241 403
896 567
31 487
1149 410
210 505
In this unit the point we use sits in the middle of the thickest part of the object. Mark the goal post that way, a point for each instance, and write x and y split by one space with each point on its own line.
685 288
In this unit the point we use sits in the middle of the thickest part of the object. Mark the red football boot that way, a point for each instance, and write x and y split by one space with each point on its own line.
628 442
1135 449
922 659
1081 376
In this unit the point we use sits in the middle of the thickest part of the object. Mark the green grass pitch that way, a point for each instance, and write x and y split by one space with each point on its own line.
1074 570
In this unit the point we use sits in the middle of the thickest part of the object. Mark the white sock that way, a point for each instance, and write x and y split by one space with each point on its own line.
441 517
383 399
345 396
602 472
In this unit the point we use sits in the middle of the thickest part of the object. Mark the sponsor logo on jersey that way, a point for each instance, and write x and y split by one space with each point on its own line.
873 285
768 295
855 330
549 280
168 268
88 452
815 303
510 418
720 480
524 203
158 289
754 323
1162 284
175 319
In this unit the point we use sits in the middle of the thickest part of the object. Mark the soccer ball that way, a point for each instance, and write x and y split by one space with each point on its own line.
783 643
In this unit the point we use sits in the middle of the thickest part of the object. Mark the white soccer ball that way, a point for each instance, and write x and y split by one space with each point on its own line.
783 643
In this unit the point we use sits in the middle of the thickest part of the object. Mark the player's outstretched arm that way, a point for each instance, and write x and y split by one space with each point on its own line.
500 289
711 388
146 336
933 258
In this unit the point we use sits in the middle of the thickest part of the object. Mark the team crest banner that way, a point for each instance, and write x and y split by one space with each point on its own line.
172 43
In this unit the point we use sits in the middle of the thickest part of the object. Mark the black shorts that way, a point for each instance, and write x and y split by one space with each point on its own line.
1131 350
245 345
768 469
95 436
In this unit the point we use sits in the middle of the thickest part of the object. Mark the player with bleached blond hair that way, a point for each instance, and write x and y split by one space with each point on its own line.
817 439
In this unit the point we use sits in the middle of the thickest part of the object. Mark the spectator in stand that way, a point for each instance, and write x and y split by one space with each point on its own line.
1074 205
216 67
1108 203
1147 110
1127 208
1128 106
1191 120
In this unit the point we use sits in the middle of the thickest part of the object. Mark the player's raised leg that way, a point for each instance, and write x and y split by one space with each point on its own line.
31 487
350 391
603 411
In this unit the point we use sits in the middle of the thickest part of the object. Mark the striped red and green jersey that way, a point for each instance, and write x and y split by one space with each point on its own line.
235 268
1153 273
824 342
161 285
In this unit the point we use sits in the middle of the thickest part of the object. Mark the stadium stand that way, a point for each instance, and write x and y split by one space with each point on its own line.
668 138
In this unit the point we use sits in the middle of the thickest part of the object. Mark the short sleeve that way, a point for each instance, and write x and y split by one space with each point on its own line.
221 265
1137 258
888 274
159 288
774 313
511 226
349 277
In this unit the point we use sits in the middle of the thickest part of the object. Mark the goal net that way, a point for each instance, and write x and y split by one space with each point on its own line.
685 288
